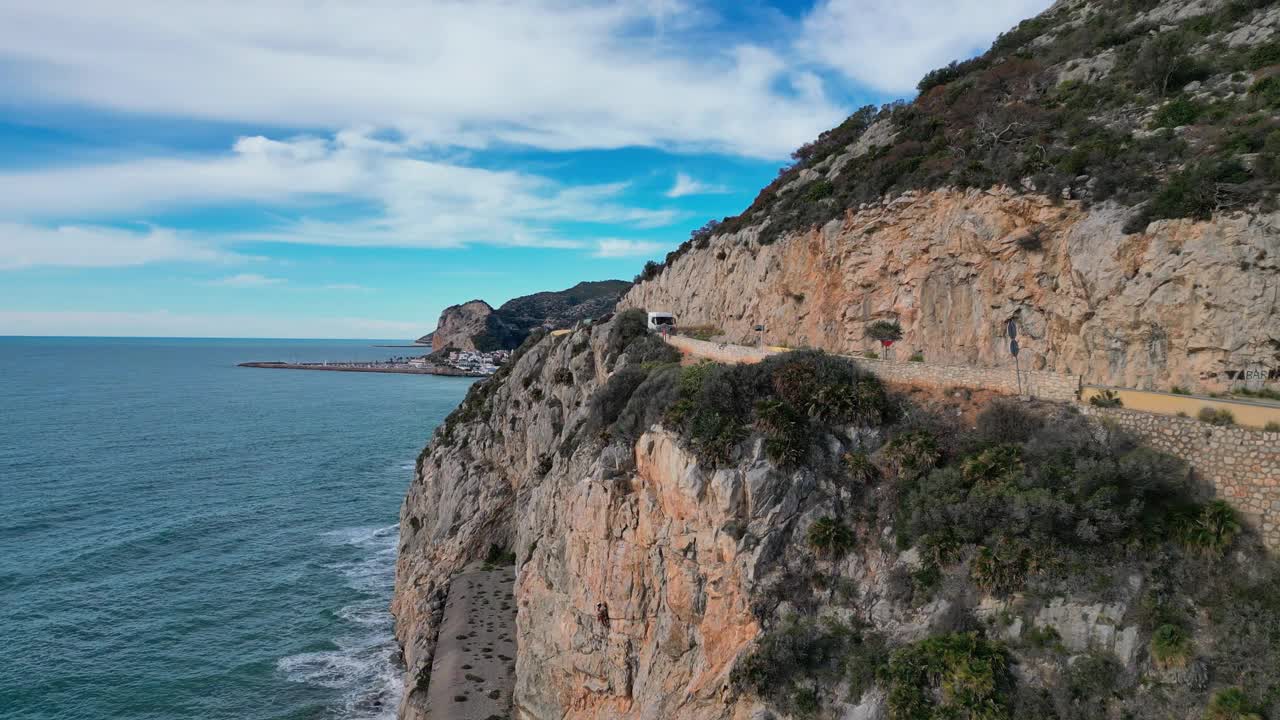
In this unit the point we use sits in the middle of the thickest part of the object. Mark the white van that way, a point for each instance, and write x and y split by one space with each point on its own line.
661 322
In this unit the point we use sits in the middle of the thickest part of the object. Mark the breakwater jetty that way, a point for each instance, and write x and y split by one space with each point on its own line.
369 367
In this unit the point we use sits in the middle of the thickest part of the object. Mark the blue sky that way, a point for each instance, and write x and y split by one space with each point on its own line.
288 168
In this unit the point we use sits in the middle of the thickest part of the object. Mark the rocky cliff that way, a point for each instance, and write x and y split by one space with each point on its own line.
756 562
1179 303
476 325
1106 175
459 325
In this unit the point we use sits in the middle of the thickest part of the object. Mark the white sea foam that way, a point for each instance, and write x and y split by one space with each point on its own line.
362 667
363 535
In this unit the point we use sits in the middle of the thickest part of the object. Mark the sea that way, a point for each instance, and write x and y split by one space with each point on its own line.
184 538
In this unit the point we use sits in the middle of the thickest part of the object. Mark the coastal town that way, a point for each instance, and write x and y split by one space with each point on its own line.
458 363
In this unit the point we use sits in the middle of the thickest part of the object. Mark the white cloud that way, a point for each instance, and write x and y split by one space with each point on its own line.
686 185
162 323
25 245
416 202
618 248
888 45
343 286
247 280
557 75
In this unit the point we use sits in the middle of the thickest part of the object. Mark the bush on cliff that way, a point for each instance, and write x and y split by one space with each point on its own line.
790 398
1030 507
961 675
626 326
1231 704
804 652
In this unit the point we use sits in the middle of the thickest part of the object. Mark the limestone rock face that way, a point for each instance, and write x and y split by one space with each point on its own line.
459 324
688 559
1180 303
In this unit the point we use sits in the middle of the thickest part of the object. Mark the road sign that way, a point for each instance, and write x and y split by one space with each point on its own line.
1012 329
1013 347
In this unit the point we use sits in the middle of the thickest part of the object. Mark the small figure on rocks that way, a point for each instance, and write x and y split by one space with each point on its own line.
602 614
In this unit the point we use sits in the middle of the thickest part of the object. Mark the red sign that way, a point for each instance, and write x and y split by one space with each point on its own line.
886 343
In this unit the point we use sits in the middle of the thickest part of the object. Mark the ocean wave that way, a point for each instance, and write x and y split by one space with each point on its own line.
363 667
363 535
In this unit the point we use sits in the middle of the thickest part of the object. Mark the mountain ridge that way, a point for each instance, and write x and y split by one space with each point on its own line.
476 325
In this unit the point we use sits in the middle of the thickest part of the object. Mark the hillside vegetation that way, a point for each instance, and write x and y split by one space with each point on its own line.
1166 107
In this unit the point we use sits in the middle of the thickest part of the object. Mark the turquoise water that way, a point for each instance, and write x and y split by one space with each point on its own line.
182 538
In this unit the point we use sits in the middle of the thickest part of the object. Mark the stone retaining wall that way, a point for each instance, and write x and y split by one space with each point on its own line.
1241 466
1043 385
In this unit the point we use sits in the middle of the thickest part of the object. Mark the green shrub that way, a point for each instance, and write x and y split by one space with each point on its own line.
649 349
562 376
792 657
1170 647
1262 393
883 330
943 75
647 404
1106 399
806 701
1179 390
1266 91
700 332
1272 426
1002 569
1091 681
1216 416
916 356
960 675
1177 112
911 453
1043 636
1034 507
1005 421
626 326
866 657
830 537
871 355
786 431
1264 55
859 468
650 271
1231 704
817 190
1212 528
607 403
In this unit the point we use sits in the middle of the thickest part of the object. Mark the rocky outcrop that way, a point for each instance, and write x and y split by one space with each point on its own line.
459 325
1180 303
686 559
476 325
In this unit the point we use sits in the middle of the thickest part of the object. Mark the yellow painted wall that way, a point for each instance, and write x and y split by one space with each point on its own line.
1247 413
